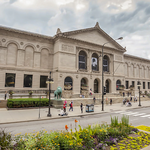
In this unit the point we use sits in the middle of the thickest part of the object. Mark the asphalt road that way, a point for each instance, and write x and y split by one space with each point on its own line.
137 117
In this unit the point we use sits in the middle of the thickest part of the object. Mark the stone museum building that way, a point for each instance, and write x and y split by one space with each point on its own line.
74 59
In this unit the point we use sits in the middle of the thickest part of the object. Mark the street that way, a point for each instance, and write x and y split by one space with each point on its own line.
140 116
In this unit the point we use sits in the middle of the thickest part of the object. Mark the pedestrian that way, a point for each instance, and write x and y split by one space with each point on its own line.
64 107
131 98
5 95
136 98
94 99
90 91
110 101
123 94
106 101
124 101
65 103
81 106
71 106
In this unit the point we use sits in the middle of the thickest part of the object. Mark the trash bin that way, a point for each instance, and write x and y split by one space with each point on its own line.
89 108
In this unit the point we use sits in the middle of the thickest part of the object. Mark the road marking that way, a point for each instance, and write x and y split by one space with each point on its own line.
140 114
145 116
132 113
118 111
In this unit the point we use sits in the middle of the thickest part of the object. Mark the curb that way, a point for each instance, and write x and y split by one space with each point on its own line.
53 118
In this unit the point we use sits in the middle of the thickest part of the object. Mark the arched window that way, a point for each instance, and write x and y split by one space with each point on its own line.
95 64
68 84
84 84
118 83
82 60
106 64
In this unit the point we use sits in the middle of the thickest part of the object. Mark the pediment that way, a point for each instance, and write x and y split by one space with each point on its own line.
94 35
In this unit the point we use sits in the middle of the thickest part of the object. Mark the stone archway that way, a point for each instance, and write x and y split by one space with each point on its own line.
108 86
96 86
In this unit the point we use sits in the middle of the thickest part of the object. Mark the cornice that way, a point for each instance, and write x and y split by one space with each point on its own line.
25 32
136 57
61 36
97 28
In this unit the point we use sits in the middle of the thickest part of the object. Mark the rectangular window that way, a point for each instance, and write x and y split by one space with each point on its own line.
82 62
127 84
10 80
43 80
148 85
27 80
133 83
143 85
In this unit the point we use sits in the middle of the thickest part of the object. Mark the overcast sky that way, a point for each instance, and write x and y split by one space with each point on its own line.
127 18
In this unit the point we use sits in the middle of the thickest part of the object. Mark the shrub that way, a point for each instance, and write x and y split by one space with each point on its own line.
27 102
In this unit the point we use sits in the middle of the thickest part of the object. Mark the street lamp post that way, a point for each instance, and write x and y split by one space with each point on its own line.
139 85
49 81
103 71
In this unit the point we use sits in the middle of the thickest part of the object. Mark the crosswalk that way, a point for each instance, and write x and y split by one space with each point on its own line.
135 114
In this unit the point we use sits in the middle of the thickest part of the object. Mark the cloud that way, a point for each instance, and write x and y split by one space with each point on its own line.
130 18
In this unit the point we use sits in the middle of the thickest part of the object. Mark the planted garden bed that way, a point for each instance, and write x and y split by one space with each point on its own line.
27 102
116 136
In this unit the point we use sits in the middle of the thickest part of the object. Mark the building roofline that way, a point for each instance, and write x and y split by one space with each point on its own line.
60 35
128 55
25 32
96 27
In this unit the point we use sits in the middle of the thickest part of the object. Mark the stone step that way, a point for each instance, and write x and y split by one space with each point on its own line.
3 104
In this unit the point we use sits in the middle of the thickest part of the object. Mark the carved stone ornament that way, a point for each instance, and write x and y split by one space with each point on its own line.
76 76
90 76
60 75
37 46
3 40
21 43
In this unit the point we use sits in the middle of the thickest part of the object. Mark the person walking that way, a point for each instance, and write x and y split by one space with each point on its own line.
81 106
134 99
5 95
131 99
106 101
64 107
71 106
94 99
123 94
110 101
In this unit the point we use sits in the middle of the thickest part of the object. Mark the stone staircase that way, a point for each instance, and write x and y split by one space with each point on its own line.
3 103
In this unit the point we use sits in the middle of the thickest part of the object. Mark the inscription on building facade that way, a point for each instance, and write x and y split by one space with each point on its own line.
67 48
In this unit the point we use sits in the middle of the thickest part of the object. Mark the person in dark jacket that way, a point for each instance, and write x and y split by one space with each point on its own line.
81 106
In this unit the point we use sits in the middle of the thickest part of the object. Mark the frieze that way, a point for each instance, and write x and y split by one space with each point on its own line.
67 48
118 57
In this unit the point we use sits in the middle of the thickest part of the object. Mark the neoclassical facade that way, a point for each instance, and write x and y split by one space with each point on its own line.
74 58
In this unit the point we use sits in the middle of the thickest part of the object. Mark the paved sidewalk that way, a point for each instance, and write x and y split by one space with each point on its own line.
23 115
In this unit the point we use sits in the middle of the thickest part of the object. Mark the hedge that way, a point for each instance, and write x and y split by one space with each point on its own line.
27 102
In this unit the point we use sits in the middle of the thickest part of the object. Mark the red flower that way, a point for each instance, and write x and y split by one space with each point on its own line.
66 127
76 121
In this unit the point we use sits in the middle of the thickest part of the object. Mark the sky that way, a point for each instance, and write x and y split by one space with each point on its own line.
129 19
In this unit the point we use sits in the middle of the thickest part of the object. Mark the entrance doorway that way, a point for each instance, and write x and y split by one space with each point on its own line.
95 86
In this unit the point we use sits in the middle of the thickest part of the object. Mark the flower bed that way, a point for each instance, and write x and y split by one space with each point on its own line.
116 136
144 128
